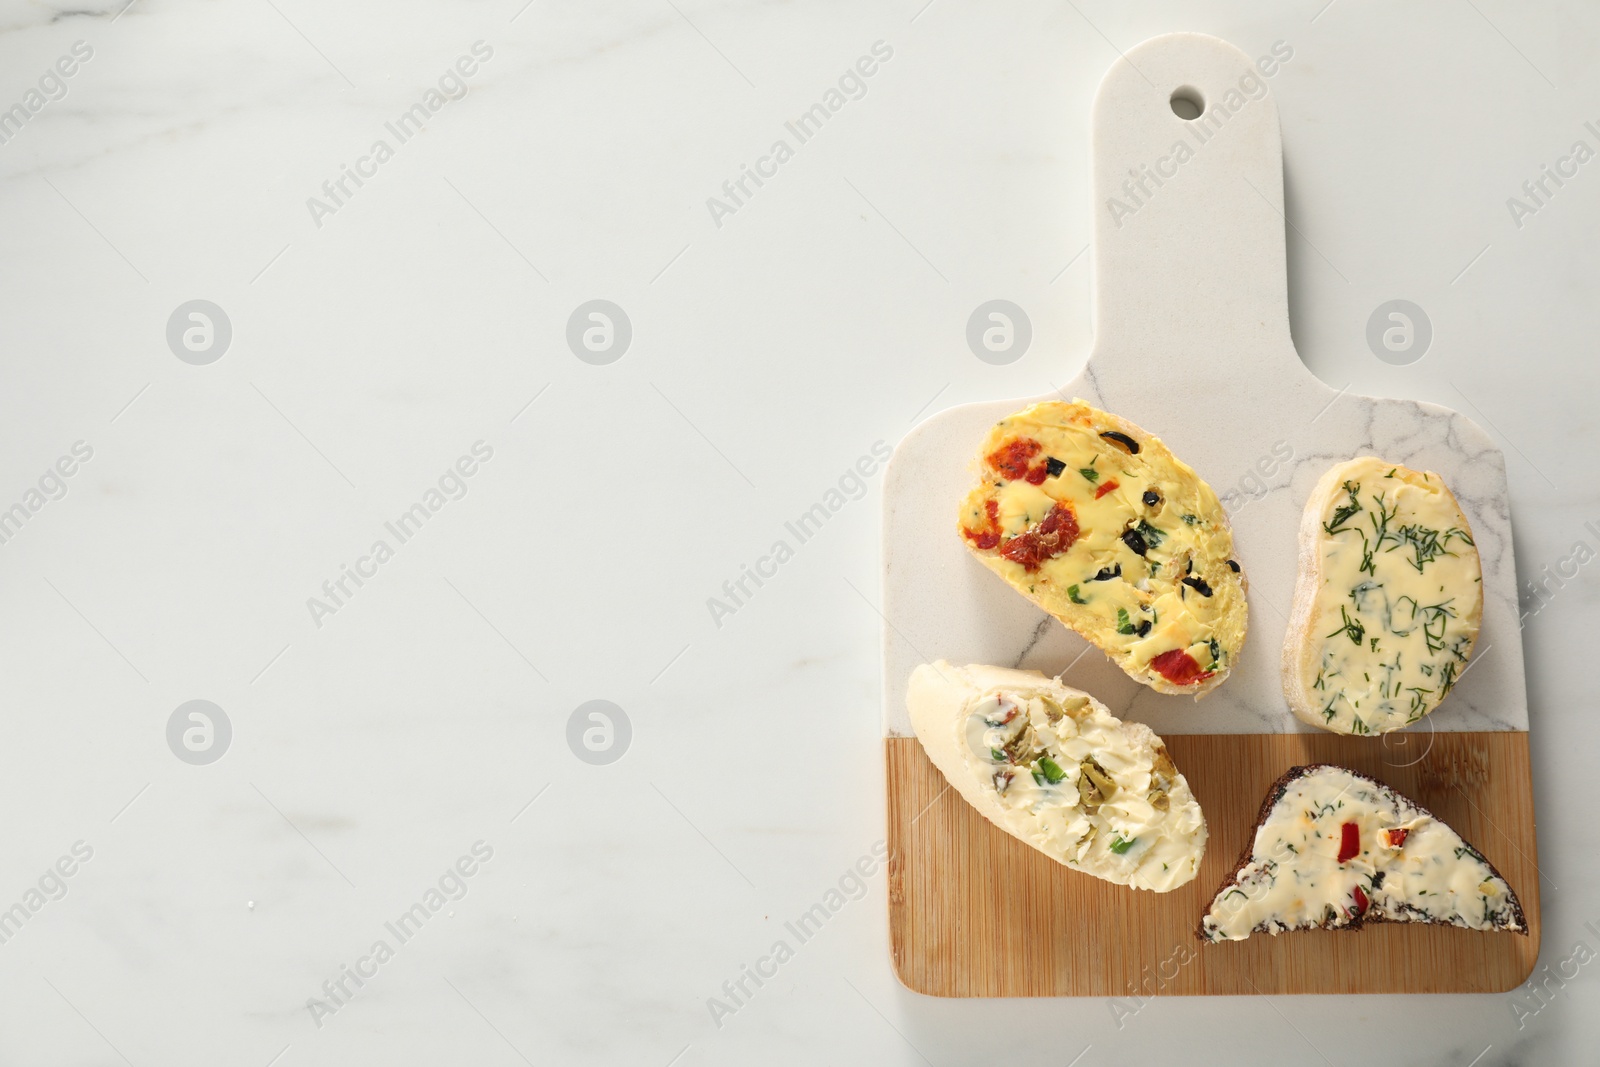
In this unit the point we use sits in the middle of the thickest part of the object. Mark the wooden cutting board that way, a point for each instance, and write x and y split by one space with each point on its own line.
1192 343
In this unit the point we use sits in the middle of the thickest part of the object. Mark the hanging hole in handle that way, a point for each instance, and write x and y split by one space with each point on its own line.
1187 103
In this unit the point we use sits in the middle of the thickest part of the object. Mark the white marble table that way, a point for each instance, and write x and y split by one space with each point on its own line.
401 761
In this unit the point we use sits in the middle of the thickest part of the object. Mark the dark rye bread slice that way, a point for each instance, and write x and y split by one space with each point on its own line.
1302 869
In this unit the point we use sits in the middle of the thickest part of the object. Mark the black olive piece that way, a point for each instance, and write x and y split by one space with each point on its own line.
1144 628
1151 498
1122 439
1234 565
1054 466
1135 542
1198 585
1105 574
1188 566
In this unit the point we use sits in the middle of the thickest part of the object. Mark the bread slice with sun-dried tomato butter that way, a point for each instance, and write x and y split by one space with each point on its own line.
1099 524
1052 767
1336 849
1388 602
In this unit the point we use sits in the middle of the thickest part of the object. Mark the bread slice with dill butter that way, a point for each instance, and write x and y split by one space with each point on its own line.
1388 602
1335 849
1052 767
1098 523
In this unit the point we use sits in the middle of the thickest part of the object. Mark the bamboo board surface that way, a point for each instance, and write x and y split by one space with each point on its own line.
973 912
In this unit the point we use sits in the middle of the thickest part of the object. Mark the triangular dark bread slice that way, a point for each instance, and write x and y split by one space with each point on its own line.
1303 869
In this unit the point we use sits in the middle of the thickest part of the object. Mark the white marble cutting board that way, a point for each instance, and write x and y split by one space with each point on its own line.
1191 342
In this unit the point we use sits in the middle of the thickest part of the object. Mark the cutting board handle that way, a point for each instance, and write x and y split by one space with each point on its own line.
1189 225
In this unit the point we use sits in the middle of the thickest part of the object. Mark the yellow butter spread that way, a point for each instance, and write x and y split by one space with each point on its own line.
1098 523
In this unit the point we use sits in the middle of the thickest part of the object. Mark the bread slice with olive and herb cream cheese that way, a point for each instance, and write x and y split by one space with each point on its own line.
1099 524
1052 767
1336 849
1388 602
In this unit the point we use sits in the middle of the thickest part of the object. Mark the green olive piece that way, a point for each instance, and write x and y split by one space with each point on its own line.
1104 784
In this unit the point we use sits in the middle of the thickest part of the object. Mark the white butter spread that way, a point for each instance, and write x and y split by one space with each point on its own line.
1397 864
1051 766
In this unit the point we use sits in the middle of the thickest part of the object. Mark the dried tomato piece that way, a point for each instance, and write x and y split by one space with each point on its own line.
1012 458
1104 489
1349 842
989 534
1048 538
1179 668
1396 837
